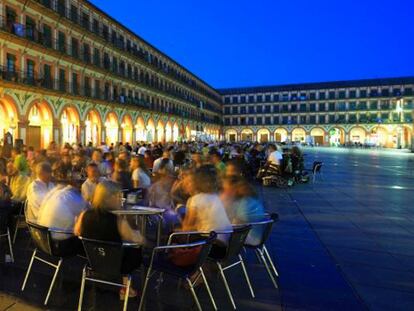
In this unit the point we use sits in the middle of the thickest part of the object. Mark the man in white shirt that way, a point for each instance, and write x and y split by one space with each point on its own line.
157 163
38 189
142 149
89 186
97 159
275 156
60 209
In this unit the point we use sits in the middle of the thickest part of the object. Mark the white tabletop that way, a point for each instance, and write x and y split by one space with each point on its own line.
139 210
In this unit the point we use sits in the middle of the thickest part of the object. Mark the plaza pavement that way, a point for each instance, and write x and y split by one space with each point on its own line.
343 243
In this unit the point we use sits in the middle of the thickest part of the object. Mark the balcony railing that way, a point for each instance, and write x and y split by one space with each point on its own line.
102 32
80 54
76 89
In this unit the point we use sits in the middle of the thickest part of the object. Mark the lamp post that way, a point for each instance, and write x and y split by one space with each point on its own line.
399 109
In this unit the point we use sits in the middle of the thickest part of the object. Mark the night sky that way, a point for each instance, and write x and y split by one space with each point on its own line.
264 42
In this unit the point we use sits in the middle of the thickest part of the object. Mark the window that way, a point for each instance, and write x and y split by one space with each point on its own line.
276 97
332 118
74 15
259 98
115 65
385 92
47 76
227 100
302 108
285 108
75 47
62 80
408 91
242 99
322 107
107 61
312 119
408 117
61 42
11 63
409 104
294 120
322 95
30 71
341 106
227 121
331 94
285 120
268 121
95 26
352 118
105 32
276 108
267 109
331 107
341 95
97 57
373 93
243 110
47 36
312 107
302 119
235 100
251 109
86 53
251 99
30 28
259 120
385 105
362 106
87 86
242 121
226 110
294 108
259 109
234 110
250 120
75 85
352 106
362 93
85 20
10 19
267 98
312 96
352 94
373 105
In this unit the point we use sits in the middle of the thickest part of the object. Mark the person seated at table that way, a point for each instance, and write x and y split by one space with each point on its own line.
97 158
18 183
180 192
167 163
60 209
20 162
93 178
109 163
275 157
233 168
99 223
215 159
242 205
148 159
62 169
297 159
38 189
121 174
141 177
205 210
159 192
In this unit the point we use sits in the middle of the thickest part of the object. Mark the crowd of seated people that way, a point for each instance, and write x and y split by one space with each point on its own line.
74 188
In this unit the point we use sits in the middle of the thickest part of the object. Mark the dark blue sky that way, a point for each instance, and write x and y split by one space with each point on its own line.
262 42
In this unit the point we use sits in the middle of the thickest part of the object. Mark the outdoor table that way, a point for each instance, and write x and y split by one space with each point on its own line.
145 212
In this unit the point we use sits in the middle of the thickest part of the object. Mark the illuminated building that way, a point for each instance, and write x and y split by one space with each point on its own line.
71 73
375 112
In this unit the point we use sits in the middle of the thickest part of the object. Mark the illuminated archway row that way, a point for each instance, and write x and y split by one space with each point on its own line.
39 122
389 136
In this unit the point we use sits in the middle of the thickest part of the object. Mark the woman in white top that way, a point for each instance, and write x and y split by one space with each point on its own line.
205 210
141 177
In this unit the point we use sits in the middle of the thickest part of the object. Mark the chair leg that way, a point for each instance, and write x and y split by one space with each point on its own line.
28 270
127 293
270 260
15 229
10 245
141 303
226 285
267 267
246 275
194 294
208 288
53 281
82 289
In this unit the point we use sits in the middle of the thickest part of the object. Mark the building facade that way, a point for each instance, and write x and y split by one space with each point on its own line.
71 73
375 112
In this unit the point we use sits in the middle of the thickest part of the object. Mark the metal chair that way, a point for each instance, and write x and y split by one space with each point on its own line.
20 219
161 261
58 249
104 260
237 237
5 232
316 170
260 248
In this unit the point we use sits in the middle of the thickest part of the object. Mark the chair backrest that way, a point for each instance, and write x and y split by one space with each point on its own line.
236 241
264 228
317 165
41 237
105 258
3 220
